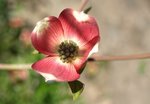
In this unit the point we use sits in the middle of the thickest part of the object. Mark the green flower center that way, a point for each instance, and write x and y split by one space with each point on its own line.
68 51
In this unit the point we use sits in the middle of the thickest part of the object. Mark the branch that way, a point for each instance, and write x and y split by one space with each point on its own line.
84 2
15 66
98 57
95 57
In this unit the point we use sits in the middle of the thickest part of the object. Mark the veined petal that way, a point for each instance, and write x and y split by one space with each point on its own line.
47 34
52 68
87 49
78 26
84 52
79 63
82 29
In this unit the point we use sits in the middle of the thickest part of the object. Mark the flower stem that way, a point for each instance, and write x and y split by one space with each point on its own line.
84 2
95 57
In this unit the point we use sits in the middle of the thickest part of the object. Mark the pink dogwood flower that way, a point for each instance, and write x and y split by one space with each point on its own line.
66 41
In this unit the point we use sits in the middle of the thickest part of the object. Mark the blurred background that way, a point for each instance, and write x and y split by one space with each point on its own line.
125 29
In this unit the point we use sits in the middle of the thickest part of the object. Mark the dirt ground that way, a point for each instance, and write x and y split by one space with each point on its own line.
125 29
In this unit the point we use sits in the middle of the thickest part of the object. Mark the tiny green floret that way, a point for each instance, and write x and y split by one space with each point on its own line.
68 51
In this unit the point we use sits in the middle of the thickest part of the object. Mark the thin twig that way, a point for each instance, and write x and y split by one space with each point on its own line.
95 57
15 66
84 2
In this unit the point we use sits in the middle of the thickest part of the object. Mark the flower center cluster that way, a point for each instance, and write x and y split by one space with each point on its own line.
68 51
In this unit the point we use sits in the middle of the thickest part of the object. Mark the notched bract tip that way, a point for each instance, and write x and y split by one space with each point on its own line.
41 26
80 16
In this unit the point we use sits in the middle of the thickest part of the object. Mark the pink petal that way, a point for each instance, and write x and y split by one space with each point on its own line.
84 52
79 63
47 34
83 29
79 26
52 68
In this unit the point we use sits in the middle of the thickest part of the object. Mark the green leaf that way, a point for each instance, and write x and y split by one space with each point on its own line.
76 88
87 10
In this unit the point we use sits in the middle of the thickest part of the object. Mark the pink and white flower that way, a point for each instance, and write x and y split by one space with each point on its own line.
66 41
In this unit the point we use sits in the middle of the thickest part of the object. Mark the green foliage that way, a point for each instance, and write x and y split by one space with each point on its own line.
10 46
34 90
3 13
76 88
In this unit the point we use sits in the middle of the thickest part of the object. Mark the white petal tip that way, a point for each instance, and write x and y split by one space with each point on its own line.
41 25
94 50
80 16
48 77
